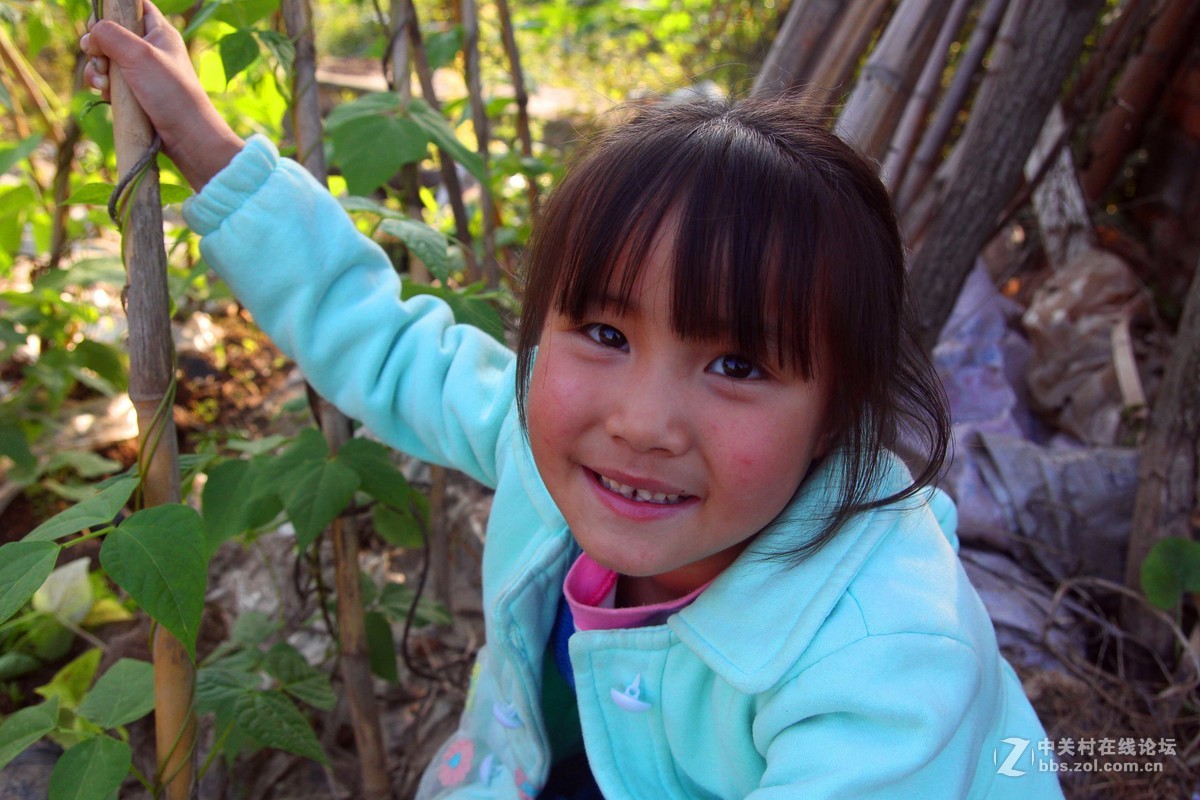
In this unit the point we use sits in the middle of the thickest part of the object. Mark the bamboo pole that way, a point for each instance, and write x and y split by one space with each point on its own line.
351 620
39 93
470 17
151 390
841 56
521 95
795 48
1168 472
926 158
883 89
1003 127
462 224
913 120
1137 93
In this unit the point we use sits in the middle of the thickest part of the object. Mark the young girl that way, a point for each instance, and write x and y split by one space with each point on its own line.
705 575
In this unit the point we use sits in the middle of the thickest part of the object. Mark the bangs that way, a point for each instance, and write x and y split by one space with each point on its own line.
745 233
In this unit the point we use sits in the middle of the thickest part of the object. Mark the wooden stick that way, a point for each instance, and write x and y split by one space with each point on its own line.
925 159
470 15
887 80
462 223
795 48
522 97
913 120
351 619
1003 128
844 51
151 389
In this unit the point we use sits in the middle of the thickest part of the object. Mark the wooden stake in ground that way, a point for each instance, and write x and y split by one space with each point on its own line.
351 621
1168 495
151 388
995 145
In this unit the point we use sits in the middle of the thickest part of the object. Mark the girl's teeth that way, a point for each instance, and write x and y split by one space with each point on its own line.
639 495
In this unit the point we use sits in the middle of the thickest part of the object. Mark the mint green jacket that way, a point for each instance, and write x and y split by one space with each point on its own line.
870 670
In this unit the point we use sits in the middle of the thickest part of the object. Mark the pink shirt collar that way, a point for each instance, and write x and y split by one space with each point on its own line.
591 589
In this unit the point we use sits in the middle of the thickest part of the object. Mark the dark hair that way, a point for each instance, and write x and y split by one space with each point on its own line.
778 221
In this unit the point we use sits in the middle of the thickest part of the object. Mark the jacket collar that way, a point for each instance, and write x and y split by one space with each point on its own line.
757 618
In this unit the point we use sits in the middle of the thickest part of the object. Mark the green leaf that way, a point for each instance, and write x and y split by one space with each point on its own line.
274 721
96 511
14 665
123 694
91 770
70 684
439 132
1171 568
370 149
442 46
91 194
233 503
11 154
25 727
280 46
426 243
238 51
15 200
173 193
397 528
299 678
320 493
105 360
381 646
14 445
67 593
159 555
369 105
24 566
244 13
218 688
85 463
396 599
380 476
252 628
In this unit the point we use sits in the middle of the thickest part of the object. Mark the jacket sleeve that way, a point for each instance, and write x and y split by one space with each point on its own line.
892 716
329 298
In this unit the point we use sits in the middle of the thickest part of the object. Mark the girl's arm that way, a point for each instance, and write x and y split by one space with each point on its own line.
160 74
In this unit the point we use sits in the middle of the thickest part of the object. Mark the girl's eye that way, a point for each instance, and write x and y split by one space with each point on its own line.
605 335
732 366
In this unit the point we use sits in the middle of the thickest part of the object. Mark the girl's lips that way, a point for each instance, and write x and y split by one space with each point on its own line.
638 501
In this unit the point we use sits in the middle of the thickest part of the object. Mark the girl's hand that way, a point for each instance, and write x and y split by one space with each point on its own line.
159 72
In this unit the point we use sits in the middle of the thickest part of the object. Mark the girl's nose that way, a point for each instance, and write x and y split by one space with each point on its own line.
648 414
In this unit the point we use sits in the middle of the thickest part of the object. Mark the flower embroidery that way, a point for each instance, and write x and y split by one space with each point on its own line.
525 788
456 762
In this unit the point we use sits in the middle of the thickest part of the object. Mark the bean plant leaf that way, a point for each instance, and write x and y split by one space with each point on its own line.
321 491
219 687
442 46
468 306
70 684
1171 568
424 242
231 502
381 646
25 727
396 527
380 476
159 555
274 721
370 149
440 133
299 678
12 154
91 194
238 51
99 509
91 770
123 694
14 445
24 567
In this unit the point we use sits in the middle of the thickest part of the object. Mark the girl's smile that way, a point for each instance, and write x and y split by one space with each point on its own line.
665 455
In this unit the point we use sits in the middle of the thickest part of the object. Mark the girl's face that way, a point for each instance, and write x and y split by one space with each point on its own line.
666 456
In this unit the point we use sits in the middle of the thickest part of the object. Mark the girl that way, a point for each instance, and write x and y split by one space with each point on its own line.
705 575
